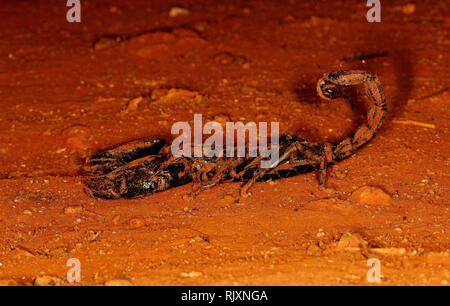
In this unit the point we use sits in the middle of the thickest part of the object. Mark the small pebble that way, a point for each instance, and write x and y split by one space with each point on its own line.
73 210
178 11
47 281
371 196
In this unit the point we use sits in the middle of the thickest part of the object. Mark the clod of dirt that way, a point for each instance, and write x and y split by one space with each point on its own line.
47 281
351 242
118 283
371 195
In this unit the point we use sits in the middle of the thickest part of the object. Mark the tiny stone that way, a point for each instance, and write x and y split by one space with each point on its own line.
371 195
73 210
178 11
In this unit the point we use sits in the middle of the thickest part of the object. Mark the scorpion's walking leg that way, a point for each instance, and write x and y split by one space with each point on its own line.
212 174
112 159
328 88
298 154
258 172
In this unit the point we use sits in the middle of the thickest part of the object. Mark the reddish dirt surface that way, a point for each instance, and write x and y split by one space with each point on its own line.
62 99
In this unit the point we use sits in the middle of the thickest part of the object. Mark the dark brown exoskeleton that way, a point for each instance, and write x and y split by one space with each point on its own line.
145 166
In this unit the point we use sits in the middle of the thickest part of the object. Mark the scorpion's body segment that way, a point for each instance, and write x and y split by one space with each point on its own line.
145 166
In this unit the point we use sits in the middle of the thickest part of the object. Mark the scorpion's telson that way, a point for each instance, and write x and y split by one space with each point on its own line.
145 166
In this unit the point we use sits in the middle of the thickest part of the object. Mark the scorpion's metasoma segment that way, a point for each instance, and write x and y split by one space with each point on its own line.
145 166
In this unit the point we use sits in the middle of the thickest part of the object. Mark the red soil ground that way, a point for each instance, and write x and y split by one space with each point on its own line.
63 97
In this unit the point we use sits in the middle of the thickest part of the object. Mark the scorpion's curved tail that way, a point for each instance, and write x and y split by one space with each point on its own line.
329 88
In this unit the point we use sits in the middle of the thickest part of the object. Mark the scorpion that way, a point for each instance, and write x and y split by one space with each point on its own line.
145 166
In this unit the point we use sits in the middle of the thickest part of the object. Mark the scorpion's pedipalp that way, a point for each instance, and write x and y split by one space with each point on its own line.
287 161
112 159
128 181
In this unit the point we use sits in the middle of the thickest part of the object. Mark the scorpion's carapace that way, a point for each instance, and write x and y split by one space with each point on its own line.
145 166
